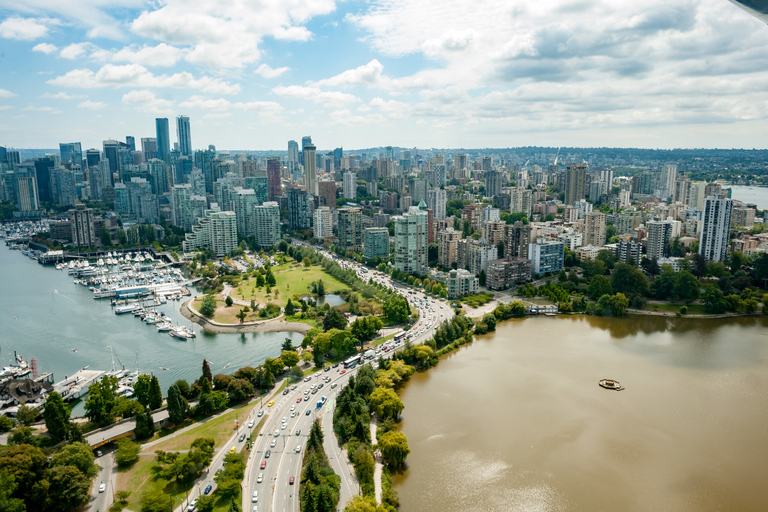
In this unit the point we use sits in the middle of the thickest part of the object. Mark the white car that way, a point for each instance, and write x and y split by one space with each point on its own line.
102 487
192 506
283 426
260 478
255 497
277 433
293 407
251 424
273 443
298 449
293 414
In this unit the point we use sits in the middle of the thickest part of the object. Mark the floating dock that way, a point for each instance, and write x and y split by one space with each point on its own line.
75 386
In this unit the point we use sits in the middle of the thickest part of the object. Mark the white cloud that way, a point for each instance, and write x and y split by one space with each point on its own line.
263 108
205 103
217 115
62 96
327 98
50 110
368 74
93 105
134 75
162 55
4 94
146 101
267 72
76 50
45 48
25 29
228 33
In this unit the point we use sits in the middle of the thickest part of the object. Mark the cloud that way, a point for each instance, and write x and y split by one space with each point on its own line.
50 110
25 29
368 74
135 75
162 55
45 48
327 98
146 101
267 72
62 96
217 115
93 105
263 108
228 33
205 103
5 94
76 50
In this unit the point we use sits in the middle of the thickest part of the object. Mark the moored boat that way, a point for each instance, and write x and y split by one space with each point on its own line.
610 384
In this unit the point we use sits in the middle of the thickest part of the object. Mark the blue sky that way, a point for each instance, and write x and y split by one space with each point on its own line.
252 74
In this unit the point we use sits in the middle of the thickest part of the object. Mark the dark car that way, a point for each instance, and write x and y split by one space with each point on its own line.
267 454
208 489
327 369
335 365
308 412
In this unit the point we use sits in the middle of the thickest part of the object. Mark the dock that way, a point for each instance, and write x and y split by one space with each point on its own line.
76 385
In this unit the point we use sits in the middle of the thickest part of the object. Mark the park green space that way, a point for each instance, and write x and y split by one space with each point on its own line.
693 309
289 282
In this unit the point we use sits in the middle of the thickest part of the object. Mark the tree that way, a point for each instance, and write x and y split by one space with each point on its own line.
259 281
68 488
307 262
240 389
629 280
598 287
155 394
282 246
396 309
141 389
106 238
208 306
274 365
177 405
686 287
102 396
386 403
698 264
650 266
145 425
228 301
207 371
619 304
394 447
183 386
289 309
154 500
760 264
78 455
290 358
27 464
221 381
713 300
6 423
334 320
241 315
25 415
7 488
287 344
361 504
481 278
127 453
56 416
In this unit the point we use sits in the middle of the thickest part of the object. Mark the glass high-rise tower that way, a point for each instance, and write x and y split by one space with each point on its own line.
163 139
184 135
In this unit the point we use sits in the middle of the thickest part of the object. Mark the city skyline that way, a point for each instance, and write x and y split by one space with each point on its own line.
409 74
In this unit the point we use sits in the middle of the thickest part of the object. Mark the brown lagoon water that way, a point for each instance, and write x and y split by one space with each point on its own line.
517 421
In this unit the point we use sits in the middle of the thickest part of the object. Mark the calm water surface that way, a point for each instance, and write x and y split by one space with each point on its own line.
44 315
517 421
756 195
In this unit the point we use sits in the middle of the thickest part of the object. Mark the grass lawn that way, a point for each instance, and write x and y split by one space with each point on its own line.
227 315
220 429
476 299
693 309
294 280
141 478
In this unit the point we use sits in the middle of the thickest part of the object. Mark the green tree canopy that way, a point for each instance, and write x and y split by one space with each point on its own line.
629 280
56 416
78 455
598 287
208 306
394 447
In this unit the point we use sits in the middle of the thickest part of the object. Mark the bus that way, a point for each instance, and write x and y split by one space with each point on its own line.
353 361
399 337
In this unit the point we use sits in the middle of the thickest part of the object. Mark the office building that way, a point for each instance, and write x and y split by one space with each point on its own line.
659 237
92 158
472 216
475 254
149 148
460 282
163 137
504 273
293 159
300 209
267 218
436 201
575 183
594 229
716 228
71 153
630 251
376 243
667 182
350 185
521 201
81 223
326 193
351 229
411 241
448 247
417 189
493 183
25 190
216 231
274 179
310 168
547 256
323 223
305 141
184 135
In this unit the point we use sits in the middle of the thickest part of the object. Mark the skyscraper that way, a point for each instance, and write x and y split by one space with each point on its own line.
300 209
131 141
492 183
350 185
667 182
411 241
575 182
310 168
326 193
594 229
71 153
163 139
716 228
267 224
293 157
436 201
351 229
92 157
81 221
305 141
274 184
149 148
659 237
323 225
184 135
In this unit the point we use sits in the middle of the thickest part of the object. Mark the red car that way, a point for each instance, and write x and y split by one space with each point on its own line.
298 400
342 372
290 481
263 464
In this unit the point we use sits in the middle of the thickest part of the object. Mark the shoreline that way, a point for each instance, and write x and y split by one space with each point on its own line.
272 325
